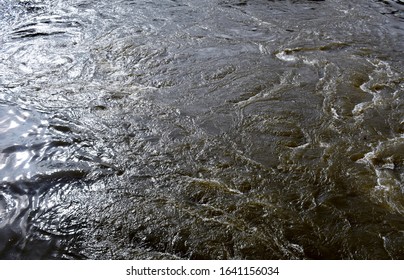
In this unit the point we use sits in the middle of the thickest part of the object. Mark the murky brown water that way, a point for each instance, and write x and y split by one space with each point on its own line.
201 129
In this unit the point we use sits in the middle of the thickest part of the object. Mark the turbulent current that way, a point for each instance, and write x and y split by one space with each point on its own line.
215 129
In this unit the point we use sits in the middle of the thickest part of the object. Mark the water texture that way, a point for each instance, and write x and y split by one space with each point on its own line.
233 129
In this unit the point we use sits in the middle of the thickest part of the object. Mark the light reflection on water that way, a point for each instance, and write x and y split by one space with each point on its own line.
21 132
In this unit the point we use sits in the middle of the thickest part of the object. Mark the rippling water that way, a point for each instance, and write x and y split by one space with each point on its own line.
187 129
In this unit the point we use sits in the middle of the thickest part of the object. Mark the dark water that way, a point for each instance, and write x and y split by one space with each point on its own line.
201 129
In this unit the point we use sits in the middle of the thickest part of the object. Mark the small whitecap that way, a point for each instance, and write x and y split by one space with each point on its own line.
360 108
312 62
334 113
382 188
286 57
388 166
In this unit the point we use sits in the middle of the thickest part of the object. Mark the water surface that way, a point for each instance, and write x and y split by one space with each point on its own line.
201 129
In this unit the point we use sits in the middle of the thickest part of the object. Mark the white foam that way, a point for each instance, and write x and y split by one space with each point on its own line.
286 57
312 62
334 113
360 108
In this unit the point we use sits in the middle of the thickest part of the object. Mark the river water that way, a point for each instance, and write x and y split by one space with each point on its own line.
216 129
